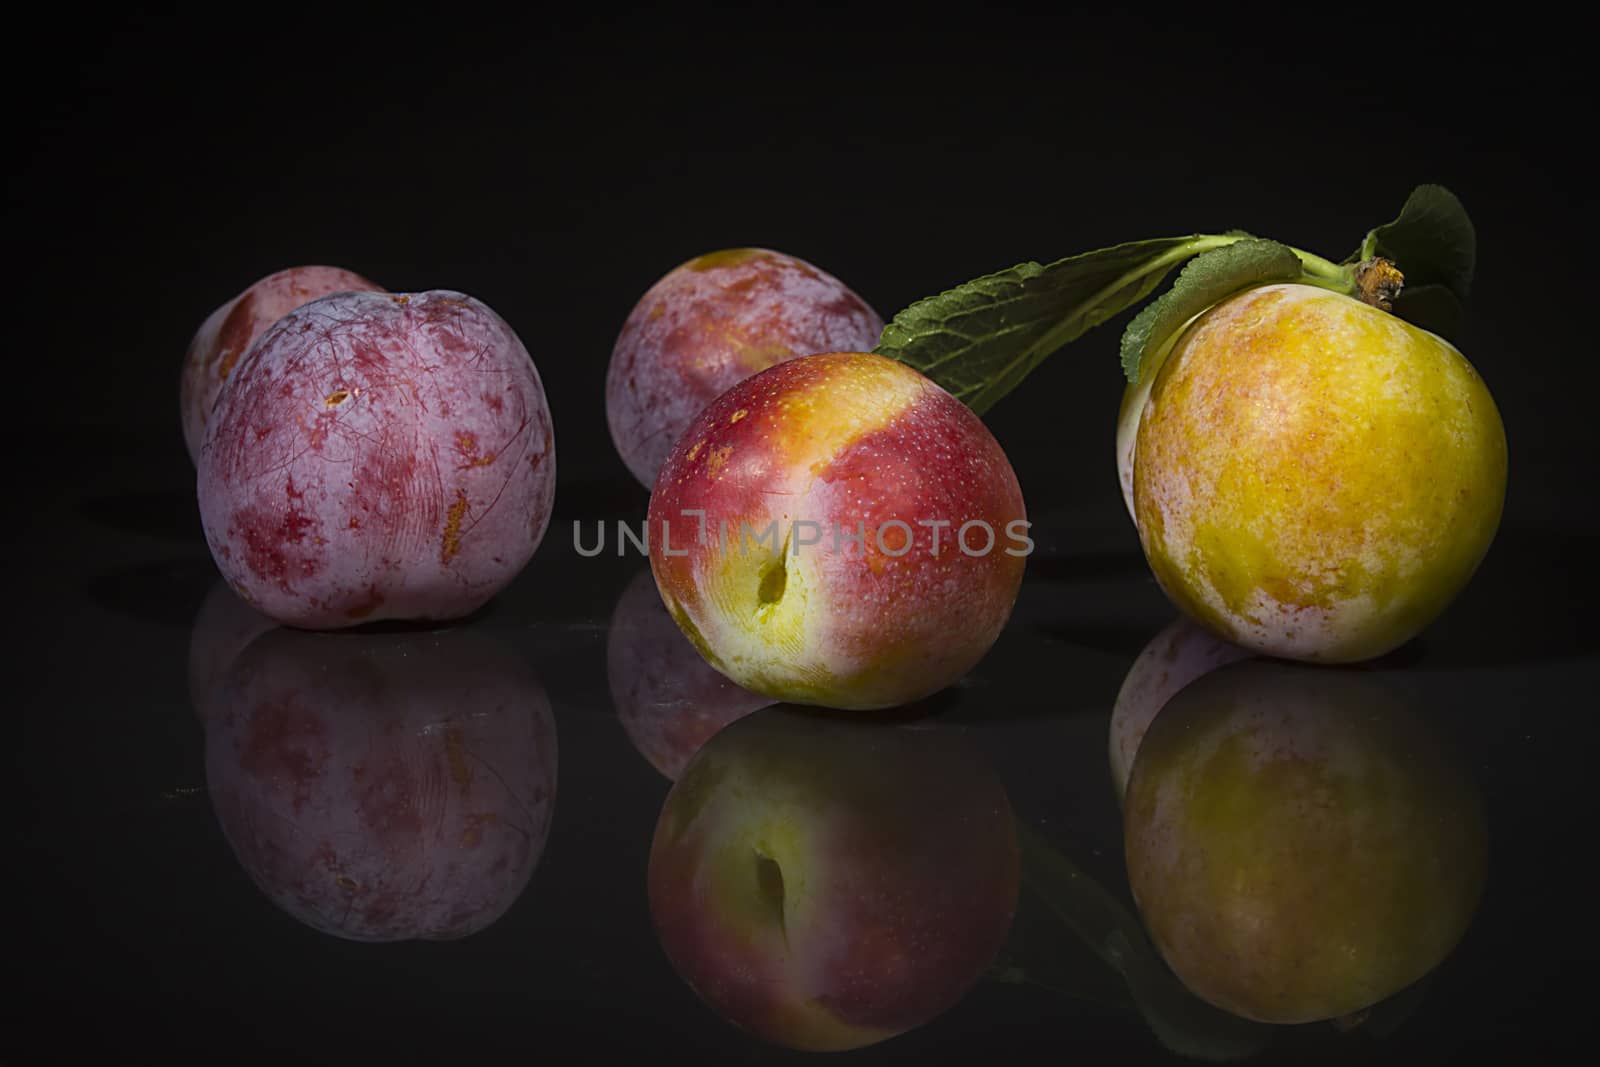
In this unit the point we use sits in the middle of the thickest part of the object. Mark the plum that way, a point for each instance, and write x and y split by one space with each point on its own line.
1299 844
863 540
1312 477
710 323
378 456
669 699
230 330
384 787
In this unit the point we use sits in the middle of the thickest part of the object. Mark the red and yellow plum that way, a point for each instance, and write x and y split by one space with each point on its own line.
378 456
230 330
838 530
826 884
711 323
384 787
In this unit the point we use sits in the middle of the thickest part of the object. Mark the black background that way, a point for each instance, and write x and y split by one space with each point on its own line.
554 166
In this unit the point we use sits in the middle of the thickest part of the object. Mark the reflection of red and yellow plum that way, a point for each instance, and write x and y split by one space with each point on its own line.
378 456
710 323
382 787
669 699
1174 657
826 884
1299 845
864 533
230 330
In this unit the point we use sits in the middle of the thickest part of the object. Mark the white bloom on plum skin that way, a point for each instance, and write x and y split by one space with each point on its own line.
378 456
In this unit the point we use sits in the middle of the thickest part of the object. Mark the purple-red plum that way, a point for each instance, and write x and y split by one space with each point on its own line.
229 331
711 323
378 456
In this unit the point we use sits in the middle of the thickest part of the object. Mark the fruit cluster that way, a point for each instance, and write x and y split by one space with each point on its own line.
1312 477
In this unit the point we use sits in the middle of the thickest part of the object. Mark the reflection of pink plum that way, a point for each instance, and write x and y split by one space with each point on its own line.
827 884
1174 657
223 627
384 787
669 699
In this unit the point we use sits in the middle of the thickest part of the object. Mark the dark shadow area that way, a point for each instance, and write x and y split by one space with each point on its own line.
1088 567
167 514
1117 638
601 498
168 592
1533 599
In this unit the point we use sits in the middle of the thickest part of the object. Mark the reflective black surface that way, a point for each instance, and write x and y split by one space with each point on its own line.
194 875
195 886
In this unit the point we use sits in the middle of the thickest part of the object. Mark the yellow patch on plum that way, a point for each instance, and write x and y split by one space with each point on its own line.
726 257
450 543
716 459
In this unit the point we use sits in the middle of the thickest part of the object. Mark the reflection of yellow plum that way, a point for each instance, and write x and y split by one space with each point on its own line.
826 884
1299 844
1174 657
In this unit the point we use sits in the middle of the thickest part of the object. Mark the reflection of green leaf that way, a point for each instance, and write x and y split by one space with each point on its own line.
1432 241
1204 280
980 339
1180 1020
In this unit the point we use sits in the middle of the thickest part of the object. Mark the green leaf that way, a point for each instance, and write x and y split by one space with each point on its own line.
1206 279
980 339
1432 241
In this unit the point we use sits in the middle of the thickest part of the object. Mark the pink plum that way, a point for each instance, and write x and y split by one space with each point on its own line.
710 323
378 456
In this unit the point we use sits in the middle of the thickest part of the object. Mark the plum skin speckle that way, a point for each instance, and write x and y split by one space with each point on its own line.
331 484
